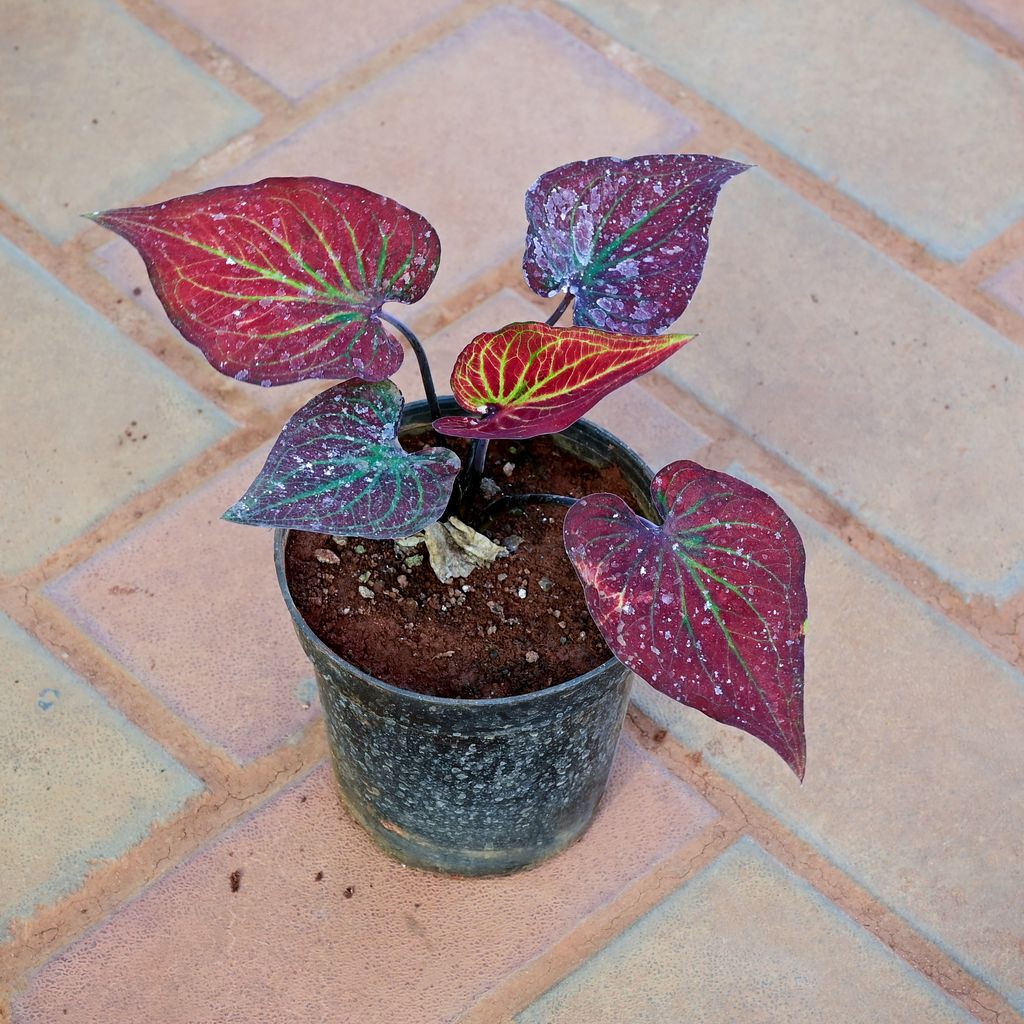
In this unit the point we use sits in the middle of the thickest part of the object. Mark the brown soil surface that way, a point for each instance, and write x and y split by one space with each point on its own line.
518 625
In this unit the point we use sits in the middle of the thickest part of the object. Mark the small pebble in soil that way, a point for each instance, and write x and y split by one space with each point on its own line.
366 592
325 556
512 542
545 584
359 549
509 468
532 657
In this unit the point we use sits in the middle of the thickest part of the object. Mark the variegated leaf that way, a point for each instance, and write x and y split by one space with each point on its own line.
338 468
282 280
626 237
709 607
529 378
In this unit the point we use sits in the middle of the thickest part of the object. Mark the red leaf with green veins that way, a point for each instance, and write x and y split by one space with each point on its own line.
338 468
710 606
627 237
531 379
282 280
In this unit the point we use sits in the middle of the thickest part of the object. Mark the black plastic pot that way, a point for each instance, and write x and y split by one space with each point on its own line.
474 787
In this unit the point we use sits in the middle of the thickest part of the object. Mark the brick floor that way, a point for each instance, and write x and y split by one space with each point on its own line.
98 110
252 955
291 57
890 397
81 784
115 421
1005 13
915 781
1008 285
702 955
166 599
861 322
931 152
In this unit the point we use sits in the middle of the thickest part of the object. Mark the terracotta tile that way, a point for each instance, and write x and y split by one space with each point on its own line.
745 941
915 784
299 44
406 947
80 783
882 391
98 111
190 605
919 122
88 418
431 135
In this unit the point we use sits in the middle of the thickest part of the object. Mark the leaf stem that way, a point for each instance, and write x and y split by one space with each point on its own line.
472 472
560 309
479 455
421 359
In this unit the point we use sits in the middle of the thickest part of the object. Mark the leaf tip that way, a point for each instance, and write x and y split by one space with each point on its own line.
236 514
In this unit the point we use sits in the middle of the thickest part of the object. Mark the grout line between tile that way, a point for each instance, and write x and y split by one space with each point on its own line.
808 863
719 133
517 991
978 26
233 791
111 884
999 627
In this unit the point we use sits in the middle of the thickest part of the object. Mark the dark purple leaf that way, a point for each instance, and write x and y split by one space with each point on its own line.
710 606
627 237
282 280
338 468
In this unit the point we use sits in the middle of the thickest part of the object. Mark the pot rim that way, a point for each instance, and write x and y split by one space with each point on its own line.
281 539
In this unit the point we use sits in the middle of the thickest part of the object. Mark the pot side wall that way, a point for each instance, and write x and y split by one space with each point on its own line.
474 787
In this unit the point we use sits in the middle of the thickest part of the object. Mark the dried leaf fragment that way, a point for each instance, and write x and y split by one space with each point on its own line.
455 549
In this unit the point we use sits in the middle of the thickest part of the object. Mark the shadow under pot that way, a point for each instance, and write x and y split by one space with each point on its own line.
474 787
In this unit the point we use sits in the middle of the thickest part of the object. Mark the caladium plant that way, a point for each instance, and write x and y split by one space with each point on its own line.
286 279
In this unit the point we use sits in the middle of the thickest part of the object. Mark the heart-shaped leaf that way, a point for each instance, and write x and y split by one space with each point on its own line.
282 280
338 468
627 237
710 606
531 379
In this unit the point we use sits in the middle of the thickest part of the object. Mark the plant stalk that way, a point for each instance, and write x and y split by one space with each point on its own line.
421 359
472 473
560 309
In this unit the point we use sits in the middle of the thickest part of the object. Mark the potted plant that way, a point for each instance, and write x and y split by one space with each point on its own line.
403 532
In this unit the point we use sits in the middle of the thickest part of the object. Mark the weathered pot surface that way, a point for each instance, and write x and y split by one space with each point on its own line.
473 787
